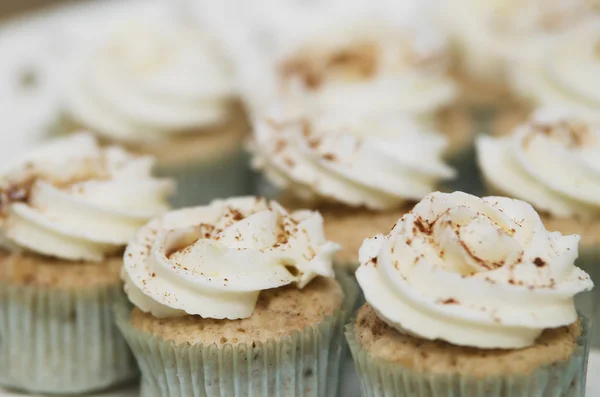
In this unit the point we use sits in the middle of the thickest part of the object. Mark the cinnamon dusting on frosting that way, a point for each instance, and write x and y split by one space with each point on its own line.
358 62
19 189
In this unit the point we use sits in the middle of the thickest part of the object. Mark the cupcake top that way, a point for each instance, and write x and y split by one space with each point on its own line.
552 161
369 63
213 261
480 272
567 73
378 161
74 200
150 81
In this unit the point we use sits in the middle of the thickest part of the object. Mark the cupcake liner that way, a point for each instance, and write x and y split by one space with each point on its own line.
382 378
588 303
201 182
306 363
61 341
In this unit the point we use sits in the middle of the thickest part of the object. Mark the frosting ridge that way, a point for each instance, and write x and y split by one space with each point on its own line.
213 261
481 272
377 160
566 73
149 81
370 65
551 162
75 200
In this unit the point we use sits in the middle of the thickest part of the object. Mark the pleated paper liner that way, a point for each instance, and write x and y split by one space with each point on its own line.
57 341
380 378
306 363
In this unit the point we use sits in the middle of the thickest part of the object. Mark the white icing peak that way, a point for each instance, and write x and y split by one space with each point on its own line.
481 272
370 65
213 261
148 81
552 162
376 160
75 200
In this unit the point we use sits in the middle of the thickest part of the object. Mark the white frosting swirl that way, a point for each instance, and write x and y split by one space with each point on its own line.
379 161
473 272
150 80
567 73
72 199
494 33
370 64
213 261
552 162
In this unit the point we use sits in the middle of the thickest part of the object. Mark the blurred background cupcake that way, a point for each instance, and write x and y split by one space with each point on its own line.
489 36
361 171
472 297
566 72
67 211
552 161
236 298
158 86
369 63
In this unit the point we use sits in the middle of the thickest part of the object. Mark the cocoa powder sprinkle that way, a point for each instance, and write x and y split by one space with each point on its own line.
539 262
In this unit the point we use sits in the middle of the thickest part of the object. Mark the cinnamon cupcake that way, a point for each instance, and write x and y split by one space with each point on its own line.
67 211
235 298
471 296
551 161
158 87
376 65
361 171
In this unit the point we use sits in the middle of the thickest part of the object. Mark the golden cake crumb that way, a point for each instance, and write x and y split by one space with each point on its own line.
40 271
279 312
439 357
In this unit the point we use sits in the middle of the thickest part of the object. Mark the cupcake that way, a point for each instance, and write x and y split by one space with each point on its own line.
365 65
67 211
566 73
361 171
236 298
490 35
551 161
470 297
158 87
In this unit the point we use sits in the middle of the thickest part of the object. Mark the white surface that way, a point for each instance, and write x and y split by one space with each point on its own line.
44 44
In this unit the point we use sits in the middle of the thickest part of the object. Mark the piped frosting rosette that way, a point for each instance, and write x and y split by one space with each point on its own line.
552 161
566 73
379 161
213 261
481 272
369 64
74 200
150 81
494 34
